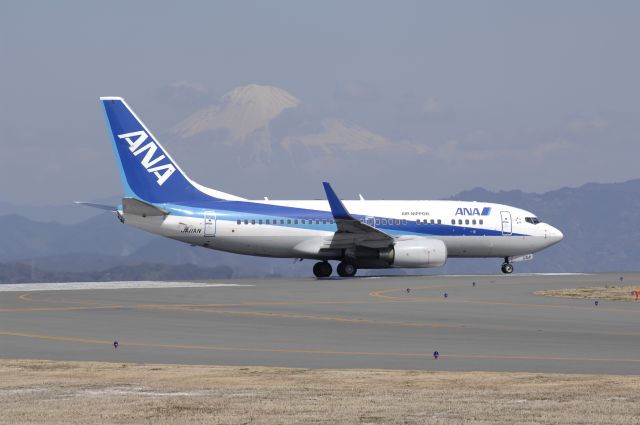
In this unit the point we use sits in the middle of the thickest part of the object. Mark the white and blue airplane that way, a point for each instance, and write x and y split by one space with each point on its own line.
361 234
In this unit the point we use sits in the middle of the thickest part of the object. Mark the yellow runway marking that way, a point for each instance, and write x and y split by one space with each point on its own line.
55 309
196 308
27 297
383 294
124 343
205 308
277 314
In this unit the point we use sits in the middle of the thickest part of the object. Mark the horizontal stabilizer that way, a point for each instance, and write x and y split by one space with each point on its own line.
145 209
99 206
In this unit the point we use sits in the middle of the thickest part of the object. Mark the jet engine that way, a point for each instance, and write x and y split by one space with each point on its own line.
416 253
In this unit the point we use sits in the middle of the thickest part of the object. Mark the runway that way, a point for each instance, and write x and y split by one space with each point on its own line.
496 325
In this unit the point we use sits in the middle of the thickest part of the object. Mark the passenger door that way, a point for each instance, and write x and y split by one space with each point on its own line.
209 224
507 229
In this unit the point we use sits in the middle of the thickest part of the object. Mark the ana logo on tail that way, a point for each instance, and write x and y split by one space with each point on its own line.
136 141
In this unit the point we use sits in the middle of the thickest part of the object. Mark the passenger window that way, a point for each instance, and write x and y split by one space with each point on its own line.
324 221
453 222
303 221
246 222
481 222
253 222
384 221
317 221
281 221
473 222
466 221
459 221
330 221
267 222
439 221
239 221
404 221
289 221
295 221
377 221
259 221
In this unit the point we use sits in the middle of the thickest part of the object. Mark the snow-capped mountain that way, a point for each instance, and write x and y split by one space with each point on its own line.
254 118
338 134
243 111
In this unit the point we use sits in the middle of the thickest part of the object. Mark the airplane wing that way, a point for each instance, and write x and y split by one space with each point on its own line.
351 231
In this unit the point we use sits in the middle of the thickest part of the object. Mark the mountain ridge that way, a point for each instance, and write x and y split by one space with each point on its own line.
598 221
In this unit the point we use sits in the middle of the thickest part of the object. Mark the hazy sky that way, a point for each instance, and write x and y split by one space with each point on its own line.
445 96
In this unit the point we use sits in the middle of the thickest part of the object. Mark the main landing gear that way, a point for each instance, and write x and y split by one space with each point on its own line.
507 267
345 269
322 269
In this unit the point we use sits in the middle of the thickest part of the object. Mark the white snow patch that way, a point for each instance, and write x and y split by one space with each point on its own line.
139 391
74 286
14 391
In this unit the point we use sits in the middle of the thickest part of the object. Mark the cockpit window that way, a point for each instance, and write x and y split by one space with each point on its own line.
532 220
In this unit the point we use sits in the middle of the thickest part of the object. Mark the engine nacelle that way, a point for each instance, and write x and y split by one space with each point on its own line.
417 253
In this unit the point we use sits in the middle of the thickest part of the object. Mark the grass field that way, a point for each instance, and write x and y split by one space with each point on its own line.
609 292
46 392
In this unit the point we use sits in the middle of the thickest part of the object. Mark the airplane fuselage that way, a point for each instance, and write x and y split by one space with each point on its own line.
281 228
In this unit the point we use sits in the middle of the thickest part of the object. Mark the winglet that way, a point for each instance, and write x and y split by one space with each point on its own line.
337 208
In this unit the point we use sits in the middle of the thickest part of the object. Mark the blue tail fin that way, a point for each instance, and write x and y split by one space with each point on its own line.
146 169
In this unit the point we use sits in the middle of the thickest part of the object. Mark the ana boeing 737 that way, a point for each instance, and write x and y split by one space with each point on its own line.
359 234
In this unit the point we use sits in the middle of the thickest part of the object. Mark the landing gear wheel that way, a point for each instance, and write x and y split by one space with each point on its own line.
322 269
347 269
507 268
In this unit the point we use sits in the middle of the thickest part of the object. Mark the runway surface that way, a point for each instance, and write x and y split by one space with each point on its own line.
498 325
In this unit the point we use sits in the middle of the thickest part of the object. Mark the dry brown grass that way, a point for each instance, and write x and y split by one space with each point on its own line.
609 292
46 392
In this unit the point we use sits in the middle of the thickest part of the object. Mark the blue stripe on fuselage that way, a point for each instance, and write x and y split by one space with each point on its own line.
243 210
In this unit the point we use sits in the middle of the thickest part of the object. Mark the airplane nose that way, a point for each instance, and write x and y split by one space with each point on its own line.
554 235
